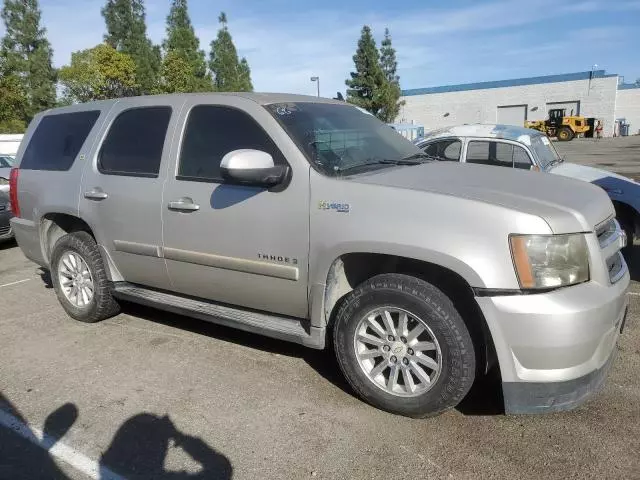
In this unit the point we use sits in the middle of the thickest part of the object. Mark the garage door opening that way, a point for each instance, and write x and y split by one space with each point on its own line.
512 115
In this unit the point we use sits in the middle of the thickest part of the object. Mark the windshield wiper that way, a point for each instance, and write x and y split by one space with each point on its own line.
420 155
382 161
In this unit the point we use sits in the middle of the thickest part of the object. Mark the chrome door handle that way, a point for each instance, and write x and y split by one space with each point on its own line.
95 194
184 205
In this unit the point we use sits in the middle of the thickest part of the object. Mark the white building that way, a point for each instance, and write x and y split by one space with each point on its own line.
590 94
9 143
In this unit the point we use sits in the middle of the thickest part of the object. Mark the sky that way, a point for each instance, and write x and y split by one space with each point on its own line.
438 43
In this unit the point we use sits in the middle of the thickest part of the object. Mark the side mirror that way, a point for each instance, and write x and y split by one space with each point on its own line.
252 167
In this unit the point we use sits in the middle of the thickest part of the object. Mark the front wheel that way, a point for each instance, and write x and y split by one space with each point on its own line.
403 347
565 134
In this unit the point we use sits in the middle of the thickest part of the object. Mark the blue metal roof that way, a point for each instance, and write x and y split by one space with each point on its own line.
628 86
517 82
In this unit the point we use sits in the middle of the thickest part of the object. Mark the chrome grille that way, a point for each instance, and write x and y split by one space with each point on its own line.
606 232
3 208
5 230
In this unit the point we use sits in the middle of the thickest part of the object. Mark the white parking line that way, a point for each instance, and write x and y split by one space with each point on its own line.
58 450
15 283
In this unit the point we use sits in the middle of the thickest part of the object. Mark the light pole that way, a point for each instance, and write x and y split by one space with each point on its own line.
317 80
593 67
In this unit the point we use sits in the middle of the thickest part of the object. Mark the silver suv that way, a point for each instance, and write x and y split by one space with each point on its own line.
310 221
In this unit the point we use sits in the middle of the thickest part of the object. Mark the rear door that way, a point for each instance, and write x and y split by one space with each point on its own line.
446 149
122 189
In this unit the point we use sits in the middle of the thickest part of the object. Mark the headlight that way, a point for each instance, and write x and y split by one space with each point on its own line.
548 261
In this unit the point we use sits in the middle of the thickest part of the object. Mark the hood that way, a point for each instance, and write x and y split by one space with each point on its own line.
588 174
566 205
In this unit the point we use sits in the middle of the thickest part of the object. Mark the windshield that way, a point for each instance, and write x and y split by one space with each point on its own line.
6 162
545 151
343 140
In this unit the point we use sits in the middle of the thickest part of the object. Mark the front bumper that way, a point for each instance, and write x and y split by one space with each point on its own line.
554 349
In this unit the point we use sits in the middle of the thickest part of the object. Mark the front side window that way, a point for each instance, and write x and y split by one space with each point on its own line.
498 154
446 150
339 139
135 141
212 131
57 140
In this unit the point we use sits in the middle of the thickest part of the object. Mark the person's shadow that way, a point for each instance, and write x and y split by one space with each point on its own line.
141 444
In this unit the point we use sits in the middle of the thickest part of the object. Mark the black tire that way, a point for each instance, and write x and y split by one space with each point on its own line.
103 305
422 299
565 134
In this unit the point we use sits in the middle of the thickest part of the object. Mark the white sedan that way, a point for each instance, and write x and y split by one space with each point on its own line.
517 147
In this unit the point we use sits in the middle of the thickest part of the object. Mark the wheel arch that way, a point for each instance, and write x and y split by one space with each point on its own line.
350 269
54 225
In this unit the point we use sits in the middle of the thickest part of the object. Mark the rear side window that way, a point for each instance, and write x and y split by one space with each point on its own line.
213 131
135 141
446 150
57 140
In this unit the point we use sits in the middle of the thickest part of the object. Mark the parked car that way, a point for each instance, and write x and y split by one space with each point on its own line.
6 232
306 220
516 147
6 162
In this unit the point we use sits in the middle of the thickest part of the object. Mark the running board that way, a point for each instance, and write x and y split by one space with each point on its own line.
274 326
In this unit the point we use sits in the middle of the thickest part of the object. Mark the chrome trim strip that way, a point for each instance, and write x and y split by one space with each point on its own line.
138 248
232 263
622 271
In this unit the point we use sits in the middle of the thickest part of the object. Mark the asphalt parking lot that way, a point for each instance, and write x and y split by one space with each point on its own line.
154 395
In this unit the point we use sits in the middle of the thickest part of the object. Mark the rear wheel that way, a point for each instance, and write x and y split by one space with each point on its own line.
565 134
80 279
403 347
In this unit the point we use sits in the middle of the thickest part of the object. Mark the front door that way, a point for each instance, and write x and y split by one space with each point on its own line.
122 187
239 245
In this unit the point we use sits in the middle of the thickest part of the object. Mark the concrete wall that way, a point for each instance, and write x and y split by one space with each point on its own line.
628 107
480 106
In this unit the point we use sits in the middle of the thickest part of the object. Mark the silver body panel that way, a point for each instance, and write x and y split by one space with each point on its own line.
272 251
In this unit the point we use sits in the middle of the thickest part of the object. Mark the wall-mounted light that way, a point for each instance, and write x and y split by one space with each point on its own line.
534 109
446 114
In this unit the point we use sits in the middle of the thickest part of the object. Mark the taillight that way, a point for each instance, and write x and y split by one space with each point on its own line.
13 191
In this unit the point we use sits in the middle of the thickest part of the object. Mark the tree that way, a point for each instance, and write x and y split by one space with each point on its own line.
13 104
182 43
98 73
229 74
391 92
27 55
367 82
127 33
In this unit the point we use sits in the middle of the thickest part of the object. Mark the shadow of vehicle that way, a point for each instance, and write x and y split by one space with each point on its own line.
322 361
8 244
45 276
138 449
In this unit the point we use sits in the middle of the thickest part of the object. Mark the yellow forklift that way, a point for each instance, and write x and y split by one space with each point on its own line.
559 125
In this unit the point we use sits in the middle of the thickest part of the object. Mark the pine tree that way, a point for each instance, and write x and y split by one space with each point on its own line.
127 33
368 81
182 43
230 75
391 91
27 55
13 102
